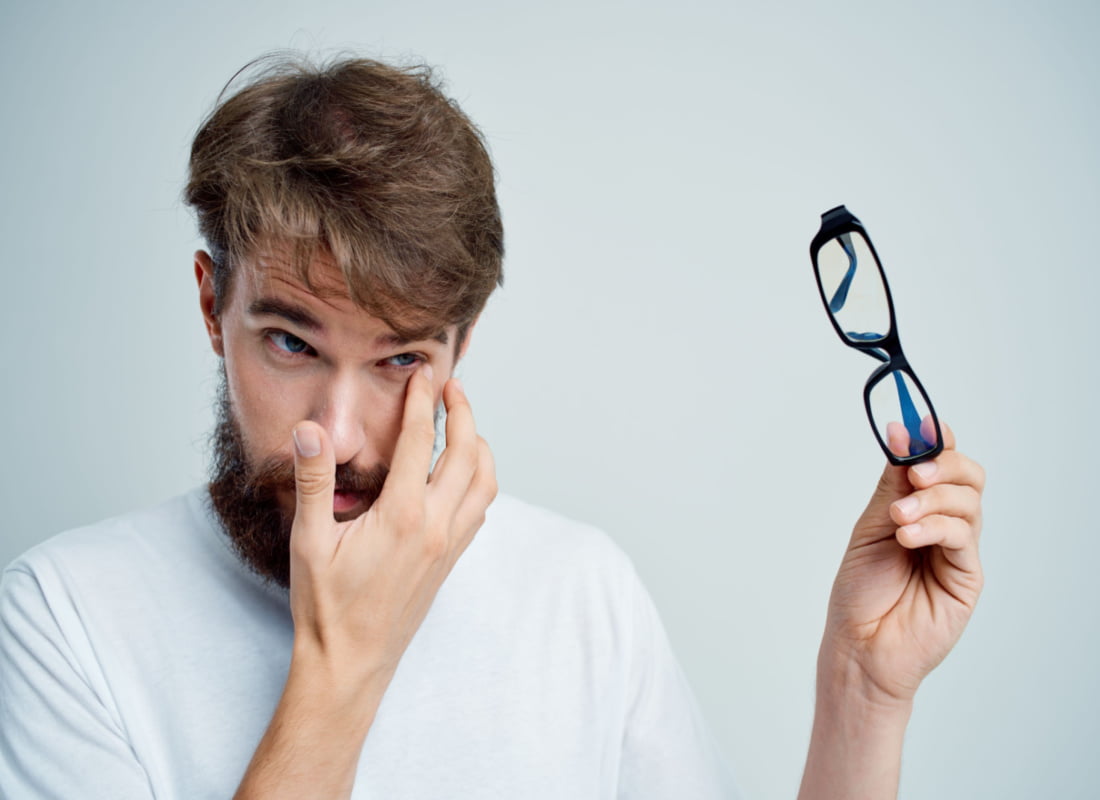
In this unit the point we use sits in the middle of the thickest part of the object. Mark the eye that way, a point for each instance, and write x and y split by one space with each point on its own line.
402 361
287 342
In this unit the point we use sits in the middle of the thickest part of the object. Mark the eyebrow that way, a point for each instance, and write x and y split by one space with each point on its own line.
288 311
397 340
299 316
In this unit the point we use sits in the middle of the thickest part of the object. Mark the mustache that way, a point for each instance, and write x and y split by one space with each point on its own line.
275 474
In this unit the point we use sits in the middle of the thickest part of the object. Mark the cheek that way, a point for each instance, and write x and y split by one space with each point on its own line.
266 407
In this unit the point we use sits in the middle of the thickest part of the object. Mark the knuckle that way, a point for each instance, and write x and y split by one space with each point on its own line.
300 550
490 488
467 458
311 485
487 473
306 556
470 532
457 400
948 459
939 494
947 465
979 477
968 500
485 455
434 543
407 518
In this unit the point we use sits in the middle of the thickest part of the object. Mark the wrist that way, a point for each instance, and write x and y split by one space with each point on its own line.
843 682
857 738
340 680
311 747
850 714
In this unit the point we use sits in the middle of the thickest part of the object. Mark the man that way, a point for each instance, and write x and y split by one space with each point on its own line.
322 621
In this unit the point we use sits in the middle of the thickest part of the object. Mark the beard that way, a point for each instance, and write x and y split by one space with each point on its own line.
245 495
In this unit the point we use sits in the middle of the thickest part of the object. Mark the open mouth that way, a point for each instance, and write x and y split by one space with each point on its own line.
344 501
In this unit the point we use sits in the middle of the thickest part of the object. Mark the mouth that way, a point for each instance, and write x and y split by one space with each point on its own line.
344 502
346 505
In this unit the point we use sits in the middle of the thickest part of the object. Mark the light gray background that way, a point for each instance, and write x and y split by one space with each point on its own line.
658 362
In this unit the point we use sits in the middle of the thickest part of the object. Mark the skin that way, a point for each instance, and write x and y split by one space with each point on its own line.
904 592
362 580
340 391
342 372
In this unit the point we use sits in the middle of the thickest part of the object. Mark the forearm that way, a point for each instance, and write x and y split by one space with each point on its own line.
311 748
856 744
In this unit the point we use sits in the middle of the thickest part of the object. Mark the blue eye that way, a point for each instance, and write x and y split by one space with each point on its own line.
404 360
288 342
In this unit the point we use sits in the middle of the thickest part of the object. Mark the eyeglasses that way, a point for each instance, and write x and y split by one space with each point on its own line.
854 290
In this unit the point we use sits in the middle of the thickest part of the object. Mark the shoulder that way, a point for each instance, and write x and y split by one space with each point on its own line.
516 526
526 554
148 530
521 517
114 558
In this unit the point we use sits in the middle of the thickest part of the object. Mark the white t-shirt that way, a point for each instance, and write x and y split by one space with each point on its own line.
139 658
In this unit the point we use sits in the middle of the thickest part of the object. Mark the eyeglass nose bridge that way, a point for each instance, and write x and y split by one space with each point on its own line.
897 406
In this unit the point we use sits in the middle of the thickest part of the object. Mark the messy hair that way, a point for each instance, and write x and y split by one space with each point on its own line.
365 163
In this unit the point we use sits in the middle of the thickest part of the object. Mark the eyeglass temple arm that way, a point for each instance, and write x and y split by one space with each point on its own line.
910 417
840 297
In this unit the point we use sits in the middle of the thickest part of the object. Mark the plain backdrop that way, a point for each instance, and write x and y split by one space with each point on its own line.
658 361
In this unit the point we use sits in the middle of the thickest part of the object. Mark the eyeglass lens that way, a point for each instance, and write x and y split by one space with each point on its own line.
902 415
854 290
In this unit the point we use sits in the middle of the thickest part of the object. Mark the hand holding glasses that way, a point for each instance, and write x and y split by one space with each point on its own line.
853 288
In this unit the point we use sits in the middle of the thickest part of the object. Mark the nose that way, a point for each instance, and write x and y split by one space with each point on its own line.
342 410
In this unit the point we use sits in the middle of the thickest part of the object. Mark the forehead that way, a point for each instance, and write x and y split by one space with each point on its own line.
273 269
316 296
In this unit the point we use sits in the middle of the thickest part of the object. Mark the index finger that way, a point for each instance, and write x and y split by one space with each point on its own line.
948 436
412 456
456 466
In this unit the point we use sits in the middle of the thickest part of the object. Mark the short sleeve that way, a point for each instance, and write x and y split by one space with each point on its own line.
668 751
58 738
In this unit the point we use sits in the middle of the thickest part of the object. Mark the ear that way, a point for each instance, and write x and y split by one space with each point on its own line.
204 274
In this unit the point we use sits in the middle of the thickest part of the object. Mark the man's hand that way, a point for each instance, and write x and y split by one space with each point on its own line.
360 589
910 577
904 592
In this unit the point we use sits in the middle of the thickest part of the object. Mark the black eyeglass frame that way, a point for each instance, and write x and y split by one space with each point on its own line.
834 223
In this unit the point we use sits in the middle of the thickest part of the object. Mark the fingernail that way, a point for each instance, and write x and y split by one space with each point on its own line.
307 442
912 531
427 368
907 505
926 469
458 385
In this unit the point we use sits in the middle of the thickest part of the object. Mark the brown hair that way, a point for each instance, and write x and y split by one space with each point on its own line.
367 163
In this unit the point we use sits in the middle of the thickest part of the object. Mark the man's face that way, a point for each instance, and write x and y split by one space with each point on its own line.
291 354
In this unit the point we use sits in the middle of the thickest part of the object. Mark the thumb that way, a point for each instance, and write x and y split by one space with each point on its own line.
894 483
314 479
